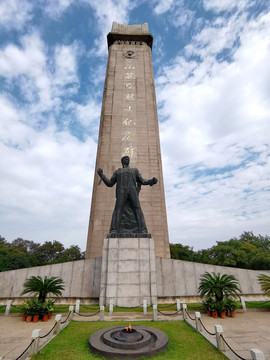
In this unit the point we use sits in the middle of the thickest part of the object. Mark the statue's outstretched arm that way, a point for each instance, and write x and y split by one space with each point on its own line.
109 182
142 181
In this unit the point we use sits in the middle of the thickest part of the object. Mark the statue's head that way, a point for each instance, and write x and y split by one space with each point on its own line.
125 160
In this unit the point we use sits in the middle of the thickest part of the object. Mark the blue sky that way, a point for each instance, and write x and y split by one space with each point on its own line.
211 66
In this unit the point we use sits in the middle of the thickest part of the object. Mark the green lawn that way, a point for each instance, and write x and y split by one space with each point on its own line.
184 342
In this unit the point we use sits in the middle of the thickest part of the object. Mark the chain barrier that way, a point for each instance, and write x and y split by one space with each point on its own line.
87 306
191 318
176 312
206 329
240 357
86 315
42 337
128 307
166 306
25 350
62 322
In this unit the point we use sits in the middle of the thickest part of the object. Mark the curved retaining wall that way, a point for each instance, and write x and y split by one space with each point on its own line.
175 278
81 278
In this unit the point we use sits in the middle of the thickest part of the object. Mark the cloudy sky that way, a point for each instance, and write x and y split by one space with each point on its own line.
212 71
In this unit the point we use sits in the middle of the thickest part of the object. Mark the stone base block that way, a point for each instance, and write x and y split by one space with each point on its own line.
128 272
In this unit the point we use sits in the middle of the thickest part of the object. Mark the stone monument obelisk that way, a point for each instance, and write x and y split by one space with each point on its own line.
129 126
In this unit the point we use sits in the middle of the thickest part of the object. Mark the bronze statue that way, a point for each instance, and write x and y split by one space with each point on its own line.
129 182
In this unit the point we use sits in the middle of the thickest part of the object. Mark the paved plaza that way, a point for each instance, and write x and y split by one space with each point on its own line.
250 330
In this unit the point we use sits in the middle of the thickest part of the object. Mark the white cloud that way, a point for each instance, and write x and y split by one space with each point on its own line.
88 114
218 114
30 61
40 84
163 6
14 14
55 8
224 5
44 175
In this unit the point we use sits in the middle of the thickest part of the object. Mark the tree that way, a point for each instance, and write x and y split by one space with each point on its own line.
218 286
264 281
37 286
50 252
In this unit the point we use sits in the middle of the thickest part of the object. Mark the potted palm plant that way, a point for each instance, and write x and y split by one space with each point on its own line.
42 287
221 309
231 306
27 312
215 310
208 305
50 305
45 311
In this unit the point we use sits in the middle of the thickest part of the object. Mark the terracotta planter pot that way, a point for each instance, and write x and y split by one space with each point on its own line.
232 313
215 314
223 315
50 315
28 318
45 317
23 317
35 318
209 312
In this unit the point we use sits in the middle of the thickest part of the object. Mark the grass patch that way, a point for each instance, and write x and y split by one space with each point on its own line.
184 342
257 304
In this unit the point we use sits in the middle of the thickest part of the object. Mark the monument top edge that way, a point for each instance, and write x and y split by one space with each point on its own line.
140 29
129 33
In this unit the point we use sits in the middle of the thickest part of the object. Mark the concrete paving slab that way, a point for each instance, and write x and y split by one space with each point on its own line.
15 334
250 330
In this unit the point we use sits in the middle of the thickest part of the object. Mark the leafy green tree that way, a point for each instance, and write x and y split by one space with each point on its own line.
26 246
181 252
218 285
49 252
73 253
37 286
264 281
2 240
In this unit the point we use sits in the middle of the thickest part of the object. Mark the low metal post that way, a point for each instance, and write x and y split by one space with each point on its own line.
257 354
155 317
243 303
34 347
57 328
71 309
184 306
8 306
178 305
77 306
101 314
144 307
197 321
220 342
111 307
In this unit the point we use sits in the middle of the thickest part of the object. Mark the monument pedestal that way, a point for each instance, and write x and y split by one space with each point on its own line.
128 272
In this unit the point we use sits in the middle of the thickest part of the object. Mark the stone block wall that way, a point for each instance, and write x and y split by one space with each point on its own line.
174 279
177 278
81 278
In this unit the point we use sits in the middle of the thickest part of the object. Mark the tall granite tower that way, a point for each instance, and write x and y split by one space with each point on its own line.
129 126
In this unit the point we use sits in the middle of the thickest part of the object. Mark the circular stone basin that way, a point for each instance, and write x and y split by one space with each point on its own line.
117 343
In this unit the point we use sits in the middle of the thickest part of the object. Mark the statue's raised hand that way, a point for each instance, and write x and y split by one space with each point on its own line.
100 172
155 180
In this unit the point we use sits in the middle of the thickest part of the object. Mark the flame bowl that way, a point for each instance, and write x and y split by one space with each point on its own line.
117 343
